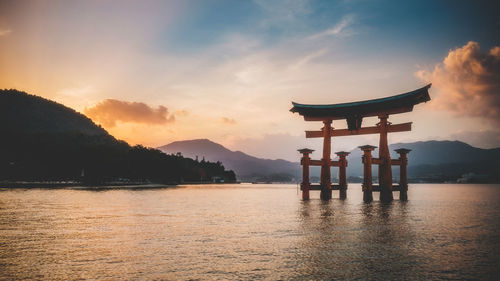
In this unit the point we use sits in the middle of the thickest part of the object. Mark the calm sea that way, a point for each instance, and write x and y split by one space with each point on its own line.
249 232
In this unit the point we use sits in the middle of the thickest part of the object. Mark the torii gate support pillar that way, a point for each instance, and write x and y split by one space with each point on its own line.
367 172
403 179
305 186
342 173
384 168
326 178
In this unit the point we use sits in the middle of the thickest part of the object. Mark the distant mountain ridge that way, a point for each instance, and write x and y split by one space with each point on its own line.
244 165
433 160
439 159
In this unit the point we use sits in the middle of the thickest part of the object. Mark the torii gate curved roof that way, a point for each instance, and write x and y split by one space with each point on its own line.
389 105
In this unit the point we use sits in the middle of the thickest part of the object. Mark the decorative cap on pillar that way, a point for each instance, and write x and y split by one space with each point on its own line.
367 147
305 150
402 150
342 153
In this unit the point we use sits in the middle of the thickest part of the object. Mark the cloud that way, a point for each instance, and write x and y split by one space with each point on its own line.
467 82
335 30
311 56
181 112
110 111
227 120
5 32
77 91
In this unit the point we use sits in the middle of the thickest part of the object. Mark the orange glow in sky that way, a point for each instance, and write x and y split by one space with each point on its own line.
155 72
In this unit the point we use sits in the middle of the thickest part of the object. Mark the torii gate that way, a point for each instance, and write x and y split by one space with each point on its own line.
353 113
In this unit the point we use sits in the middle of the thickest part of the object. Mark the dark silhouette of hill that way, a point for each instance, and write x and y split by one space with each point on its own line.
245 166
31 114
43 140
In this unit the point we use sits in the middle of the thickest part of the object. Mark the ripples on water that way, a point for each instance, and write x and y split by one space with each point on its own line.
249 232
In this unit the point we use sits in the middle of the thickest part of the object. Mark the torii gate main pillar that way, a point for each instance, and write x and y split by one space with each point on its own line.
326 177
384 168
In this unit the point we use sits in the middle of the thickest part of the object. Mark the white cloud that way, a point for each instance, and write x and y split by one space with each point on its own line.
227 120
79 92
311 56
5 32
337 30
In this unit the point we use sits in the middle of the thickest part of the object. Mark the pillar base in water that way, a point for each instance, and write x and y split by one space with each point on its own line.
403 195
367 196
343 193
305 194
386 195
326 194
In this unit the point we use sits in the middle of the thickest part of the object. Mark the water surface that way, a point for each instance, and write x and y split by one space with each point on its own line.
443 232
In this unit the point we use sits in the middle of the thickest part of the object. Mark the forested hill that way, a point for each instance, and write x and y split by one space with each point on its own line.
42 140
31 114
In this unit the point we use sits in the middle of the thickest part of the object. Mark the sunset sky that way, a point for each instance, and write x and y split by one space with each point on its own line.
153 72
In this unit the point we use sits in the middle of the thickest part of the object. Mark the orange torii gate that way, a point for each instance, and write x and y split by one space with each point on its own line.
353 113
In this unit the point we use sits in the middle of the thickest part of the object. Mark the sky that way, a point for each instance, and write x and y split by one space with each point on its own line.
153 72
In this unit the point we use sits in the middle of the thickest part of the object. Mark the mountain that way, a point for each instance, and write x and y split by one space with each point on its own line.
428 160
245 166
438 152
46 141
437 160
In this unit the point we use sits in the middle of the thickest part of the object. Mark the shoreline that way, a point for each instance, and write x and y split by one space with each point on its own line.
102 186
83 186
139 185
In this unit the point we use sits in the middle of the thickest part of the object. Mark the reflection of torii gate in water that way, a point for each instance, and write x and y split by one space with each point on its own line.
354 112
